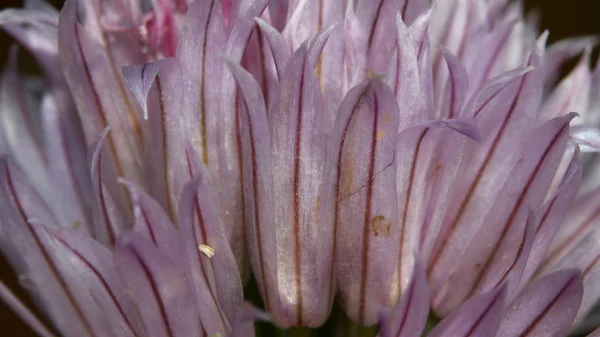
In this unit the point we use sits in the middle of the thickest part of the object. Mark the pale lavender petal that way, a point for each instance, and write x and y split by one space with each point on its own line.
551 217
109 222
199 219
501 245
545 308
502 122
86 266
587 137
229 167
365 221
101 96
152 222
297 160
67 169
426 168
258 193
139 79
157 286
20 205
409 316
456 88
477 317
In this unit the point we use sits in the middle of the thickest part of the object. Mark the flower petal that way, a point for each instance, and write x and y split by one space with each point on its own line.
297 159
456 88
551 217
477 317
365 221
501 244
255 148
545 308
99 91
157 286
201 226
109 222
409 316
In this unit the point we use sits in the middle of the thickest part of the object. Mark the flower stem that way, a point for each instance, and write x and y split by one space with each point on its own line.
357 330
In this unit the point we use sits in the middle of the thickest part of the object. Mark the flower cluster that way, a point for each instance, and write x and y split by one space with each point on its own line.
402 159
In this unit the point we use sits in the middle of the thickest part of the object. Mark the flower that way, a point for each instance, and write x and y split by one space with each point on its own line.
395 157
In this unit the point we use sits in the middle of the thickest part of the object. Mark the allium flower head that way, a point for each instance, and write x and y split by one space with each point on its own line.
352 167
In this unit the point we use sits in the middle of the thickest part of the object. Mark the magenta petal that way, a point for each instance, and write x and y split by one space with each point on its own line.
157 286
364 185
409 316
545 308
477 317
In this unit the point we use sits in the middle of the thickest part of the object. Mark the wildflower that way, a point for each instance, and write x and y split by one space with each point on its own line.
391 156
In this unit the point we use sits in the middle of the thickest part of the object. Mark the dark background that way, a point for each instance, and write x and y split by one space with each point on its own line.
563 18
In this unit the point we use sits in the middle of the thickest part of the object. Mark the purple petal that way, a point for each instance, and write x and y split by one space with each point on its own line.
409 316
587 137
108 219
456 88
477 317
157 286
201 226
31 259
426 167
245 319
364 186
139 79
256 151
67 169
501 244
87 266
101 96
502 122
545 308
552 215
297 159
152 222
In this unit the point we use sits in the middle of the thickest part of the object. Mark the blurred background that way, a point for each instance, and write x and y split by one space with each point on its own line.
562 18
